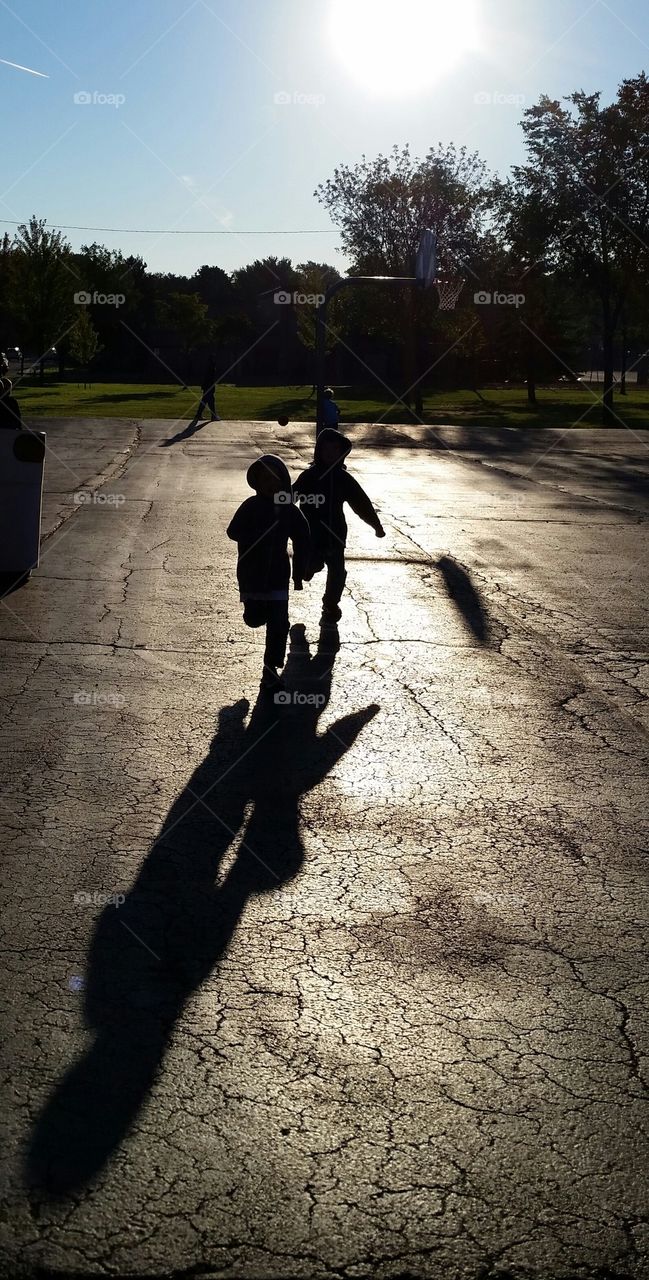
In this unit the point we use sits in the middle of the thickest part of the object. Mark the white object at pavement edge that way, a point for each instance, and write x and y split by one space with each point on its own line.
22 457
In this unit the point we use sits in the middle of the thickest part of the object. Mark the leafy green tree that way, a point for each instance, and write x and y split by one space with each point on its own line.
84 340
381 207
258 282
314 278
264 289
186 315
215 288
231 328
634 334
45 283
108 272
7 293
585 191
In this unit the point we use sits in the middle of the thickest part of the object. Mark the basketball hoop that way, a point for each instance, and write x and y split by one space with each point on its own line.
448 292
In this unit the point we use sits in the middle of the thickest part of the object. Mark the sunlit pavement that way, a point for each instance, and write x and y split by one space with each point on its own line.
353 987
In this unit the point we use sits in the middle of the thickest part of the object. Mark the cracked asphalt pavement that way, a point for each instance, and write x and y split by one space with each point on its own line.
354 987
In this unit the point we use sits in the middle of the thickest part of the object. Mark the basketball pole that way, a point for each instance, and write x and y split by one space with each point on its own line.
321 329
425 267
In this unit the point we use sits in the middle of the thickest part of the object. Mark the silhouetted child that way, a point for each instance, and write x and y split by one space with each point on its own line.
322 491
261 527
330 410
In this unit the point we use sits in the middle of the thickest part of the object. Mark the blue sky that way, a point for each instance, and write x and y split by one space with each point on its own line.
199 141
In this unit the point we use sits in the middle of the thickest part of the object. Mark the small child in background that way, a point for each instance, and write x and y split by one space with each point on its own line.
321 491
262 527
330 410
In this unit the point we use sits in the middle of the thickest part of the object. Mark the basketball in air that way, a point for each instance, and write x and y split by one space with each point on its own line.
283 421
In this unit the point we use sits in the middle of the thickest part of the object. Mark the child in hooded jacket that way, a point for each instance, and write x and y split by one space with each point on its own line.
262 527
321 492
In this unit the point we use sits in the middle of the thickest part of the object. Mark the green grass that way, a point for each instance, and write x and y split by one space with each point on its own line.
559 406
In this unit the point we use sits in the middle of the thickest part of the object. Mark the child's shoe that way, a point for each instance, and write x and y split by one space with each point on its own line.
271 681
331 613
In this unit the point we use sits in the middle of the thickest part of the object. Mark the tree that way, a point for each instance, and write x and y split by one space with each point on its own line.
314 278
634 333
7 293
586 191
84 340
45 284
187 316
215 288
264 289
381 207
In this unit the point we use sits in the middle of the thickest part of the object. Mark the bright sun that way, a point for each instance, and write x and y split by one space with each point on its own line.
402 46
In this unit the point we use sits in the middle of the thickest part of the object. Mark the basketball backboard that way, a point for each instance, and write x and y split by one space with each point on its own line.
426 265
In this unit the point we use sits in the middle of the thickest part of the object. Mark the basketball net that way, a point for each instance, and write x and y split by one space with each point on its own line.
448 292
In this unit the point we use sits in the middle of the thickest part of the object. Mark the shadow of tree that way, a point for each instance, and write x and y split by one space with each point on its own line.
484 436
118 397
148 956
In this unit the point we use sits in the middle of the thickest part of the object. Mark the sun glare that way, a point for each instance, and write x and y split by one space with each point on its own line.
401 46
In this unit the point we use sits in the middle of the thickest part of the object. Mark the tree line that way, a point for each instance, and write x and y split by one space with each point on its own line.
98 308
555 260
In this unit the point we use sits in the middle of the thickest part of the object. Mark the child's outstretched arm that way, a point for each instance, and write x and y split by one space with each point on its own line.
301 539
361 505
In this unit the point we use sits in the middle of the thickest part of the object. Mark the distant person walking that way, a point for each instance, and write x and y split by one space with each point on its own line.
208 386
321 492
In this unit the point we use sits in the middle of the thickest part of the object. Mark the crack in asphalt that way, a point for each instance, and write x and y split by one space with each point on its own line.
96 481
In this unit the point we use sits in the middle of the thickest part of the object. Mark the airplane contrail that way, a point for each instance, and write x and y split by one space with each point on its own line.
29 69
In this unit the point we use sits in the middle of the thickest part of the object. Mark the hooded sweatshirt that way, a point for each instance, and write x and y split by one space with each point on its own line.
322 491
261 527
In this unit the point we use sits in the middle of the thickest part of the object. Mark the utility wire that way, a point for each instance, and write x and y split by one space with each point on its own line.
142 231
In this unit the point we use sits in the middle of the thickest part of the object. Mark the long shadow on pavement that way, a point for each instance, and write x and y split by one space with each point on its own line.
148 956
195 425
466 597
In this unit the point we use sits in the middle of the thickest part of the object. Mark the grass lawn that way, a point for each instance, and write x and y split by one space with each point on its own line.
558 406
